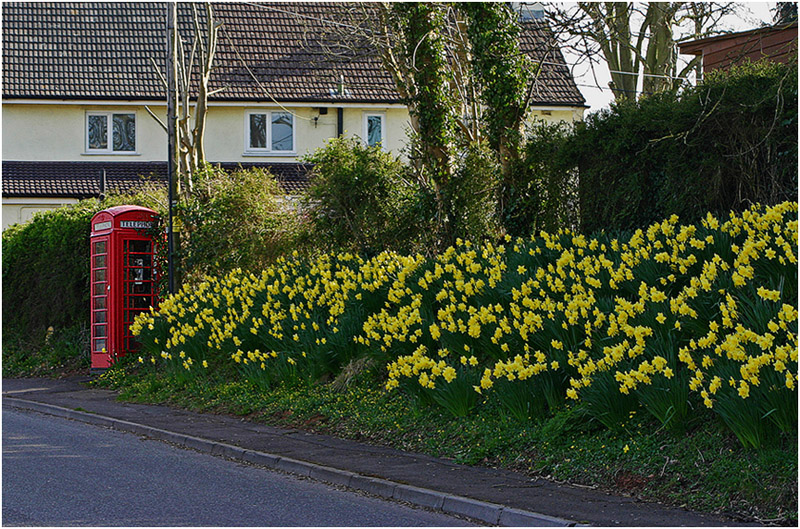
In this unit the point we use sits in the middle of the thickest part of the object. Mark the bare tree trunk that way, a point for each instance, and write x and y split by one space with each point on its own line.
191 125
661 59
207 50
637 40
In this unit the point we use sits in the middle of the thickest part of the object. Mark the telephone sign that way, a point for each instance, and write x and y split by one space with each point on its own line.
123 279
141 224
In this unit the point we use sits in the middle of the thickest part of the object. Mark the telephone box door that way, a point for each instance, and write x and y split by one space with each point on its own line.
100 290
138 285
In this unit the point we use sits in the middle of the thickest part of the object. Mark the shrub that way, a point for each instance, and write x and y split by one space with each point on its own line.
236 220
46 269
46 275
543 191
473 194
722 146
358 199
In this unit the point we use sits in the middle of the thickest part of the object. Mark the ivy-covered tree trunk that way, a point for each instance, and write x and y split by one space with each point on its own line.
432 107
504 75
421 69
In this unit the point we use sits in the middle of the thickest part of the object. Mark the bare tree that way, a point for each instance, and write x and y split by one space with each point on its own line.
637 41
194 74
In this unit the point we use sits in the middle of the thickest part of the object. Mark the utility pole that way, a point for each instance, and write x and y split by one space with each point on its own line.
172 129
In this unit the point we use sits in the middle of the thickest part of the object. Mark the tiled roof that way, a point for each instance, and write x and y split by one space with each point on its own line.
82 179
77 50
555 84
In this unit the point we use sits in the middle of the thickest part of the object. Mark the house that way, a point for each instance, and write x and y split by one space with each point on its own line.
80 80
777 43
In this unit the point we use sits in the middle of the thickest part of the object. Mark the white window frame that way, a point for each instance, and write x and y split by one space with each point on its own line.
365 127
109 115
253 151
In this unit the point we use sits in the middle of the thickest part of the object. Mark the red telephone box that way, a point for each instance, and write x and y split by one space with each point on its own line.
123 279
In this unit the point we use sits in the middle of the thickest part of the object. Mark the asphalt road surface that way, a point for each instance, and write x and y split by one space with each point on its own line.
58 472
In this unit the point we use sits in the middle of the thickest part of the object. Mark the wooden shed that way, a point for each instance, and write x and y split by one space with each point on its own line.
778 43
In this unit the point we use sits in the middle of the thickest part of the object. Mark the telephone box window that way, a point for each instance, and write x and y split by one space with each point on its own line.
141 246
139 261
140 274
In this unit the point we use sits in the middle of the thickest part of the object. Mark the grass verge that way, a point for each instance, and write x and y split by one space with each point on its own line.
58 353
704 468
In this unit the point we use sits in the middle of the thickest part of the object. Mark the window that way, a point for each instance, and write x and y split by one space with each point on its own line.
269 132
111 132
375 130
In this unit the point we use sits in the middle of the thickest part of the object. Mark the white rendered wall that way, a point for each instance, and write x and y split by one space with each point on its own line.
20 210
57 132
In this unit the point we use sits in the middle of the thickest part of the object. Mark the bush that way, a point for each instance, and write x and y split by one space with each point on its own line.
358 199
473 194
543 194
46 269
722 146
236 220
46 275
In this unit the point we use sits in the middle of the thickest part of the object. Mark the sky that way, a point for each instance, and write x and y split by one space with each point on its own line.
750 16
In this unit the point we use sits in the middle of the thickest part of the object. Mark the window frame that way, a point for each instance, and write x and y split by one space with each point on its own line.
268 151
365 126
109 115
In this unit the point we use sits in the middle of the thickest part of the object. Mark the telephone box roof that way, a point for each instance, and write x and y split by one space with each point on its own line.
120 210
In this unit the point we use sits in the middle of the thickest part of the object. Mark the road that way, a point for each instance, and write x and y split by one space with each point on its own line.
58 472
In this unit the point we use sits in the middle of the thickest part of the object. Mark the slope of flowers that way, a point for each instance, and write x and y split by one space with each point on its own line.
684 321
